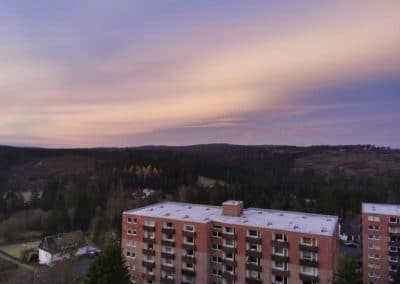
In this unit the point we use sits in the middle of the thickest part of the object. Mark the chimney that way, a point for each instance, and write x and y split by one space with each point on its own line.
232 208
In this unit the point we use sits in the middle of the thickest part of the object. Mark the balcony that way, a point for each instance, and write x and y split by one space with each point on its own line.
168 255
394 234
189 233
229 262
309 278
308 248
189 246
167 280
167 242
394 225
281 258
149 228
189 259
394 243
279 272
394 253
251 280
309 262
253 240
279 244
229 276
168 230
226 236
149 251
254 253
167 268
149 240
148 264
188 271
253 266
227 249
148 276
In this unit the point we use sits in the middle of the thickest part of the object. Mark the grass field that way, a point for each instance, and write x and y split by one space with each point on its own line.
16 250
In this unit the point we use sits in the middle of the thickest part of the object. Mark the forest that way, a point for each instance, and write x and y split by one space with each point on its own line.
46 191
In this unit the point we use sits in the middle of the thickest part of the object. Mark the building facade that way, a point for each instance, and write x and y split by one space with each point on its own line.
381 243
174 242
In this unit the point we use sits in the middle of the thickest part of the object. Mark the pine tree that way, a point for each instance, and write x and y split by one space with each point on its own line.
109 267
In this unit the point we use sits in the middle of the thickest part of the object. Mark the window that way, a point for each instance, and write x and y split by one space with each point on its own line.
149 223
280 251
189 252
229 230
216 246
132 232
188 228
373 256
309 270
374 275
308 241
253 260
229 243
393 220
188 240
280 265
229 256
308 255
253 247
374 246
188 265
374 266
130 254
217 234
253 233
229 268
253 274
131 243
168 249
216 259
132 220
280 237
168 261
374 218
168 225
149 258
373 227
168 237
393 258
373 237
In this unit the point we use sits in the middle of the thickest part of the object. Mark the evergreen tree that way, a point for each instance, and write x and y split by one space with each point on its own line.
349 270
109 268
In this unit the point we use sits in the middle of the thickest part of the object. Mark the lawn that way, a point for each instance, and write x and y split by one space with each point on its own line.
16 250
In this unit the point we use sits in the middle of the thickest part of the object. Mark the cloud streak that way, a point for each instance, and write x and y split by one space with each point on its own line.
191 73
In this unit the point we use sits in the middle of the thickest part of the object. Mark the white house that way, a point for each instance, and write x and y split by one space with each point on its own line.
62 246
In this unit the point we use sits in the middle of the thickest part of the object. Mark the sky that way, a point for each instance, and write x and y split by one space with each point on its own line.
125 73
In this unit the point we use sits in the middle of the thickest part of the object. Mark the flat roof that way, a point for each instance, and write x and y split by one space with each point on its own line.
263 218
377 208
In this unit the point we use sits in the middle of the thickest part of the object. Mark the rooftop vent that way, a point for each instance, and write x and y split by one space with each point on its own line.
186 217
206 219
190 207
259 212
245 221
324 230
304 217
328 219
269 223
151 209
207 209
167 214
295 227
281 214
162 206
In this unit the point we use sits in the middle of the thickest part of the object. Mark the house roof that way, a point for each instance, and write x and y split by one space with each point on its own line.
64 243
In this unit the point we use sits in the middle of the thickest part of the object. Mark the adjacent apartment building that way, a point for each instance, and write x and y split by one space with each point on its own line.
381 243
174 242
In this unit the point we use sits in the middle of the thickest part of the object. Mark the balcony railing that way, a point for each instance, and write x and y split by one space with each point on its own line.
309 262
228 236
189 259
394 225
188 233
251 280
229 262
254 253
311 248
167 280
188 246
149 240
167 268
149 228
168 230
228 249
253 266
280 258
253 240
149 251
307 277
168 242
148 264
188 271
148 276
394 253
229 276
279 272
279 244
169 255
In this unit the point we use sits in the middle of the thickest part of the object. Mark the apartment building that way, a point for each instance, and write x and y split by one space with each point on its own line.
381 243
174 242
